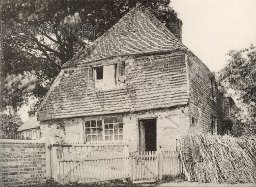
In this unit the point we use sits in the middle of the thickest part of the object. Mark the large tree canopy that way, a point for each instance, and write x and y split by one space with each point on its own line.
37 39
240 76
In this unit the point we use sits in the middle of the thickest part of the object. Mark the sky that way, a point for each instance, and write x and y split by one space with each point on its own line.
211 28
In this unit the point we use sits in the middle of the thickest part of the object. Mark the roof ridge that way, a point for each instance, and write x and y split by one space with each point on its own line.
129 16
116 24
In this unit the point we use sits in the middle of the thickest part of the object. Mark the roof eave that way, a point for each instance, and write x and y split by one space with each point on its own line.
182 104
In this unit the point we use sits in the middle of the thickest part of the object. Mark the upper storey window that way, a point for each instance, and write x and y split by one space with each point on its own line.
109 76
99 72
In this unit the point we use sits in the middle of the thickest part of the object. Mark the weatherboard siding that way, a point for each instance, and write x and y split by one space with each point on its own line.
202 105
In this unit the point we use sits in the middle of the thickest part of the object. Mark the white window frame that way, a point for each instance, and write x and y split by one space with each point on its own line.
108 131
119 76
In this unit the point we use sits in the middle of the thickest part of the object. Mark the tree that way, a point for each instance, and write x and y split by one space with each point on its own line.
240 75
38 41
9 125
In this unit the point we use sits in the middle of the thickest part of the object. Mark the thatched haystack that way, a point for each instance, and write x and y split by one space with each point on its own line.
219 159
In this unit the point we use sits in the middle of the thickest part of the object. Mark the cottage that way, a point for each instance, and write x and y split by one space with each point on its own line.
139 84
30 129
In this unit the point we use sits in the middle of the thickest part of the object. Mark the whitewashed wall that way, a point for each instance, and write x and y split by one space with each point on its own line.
171 124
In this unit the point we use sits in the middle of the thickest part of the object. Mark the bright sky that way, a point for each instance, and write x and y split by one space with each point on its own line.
213 27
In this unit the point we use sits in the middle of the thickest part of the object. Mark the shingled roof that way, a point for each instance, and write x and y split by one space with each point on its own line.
138 32
138 35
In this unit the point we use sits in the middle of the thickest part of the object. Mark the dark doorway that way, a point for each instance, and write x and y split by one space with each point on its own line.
147 135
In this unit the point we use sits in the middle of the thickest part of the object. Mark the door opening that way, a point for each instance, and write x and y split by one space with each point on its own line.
147 135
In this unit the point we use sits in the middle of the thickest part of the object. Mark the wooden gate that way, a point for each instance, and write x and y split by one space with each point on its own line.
89 163
144 166
149 166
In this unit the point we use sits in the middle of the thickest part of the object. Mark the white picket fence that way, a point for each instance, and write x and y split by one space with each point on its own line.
144 166
84 163
153 165
171 164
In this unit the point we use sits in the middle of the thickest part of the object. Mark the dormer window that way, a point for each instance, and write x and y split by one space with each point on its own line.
109 76
99 72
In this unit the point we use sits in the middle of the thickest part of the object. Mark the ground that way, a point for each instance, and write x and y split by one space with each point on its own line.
186 184
169 184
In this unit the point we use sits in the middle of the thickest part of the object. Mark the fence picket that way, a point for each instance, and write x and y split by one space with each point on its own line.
86 163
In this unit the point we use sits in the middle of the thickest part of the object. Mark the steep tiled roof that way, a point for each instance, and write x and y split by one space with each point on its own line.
156 81
138 32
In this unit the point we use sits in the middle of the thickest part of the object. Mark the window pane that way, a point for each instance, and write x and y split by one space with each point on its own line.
120 137
107 138
87 130
116 137
100 137
106 126
106 132
110 138
120 131
111 126
99 123
120 125
87 124
94 138
93 123
111 132
115 131
99 72
115 126
89 138
93 131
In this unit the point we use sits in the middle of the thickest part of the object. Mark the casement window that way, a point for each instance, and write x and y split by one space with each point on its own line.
109 129
94 131
109 76
214 125
99 72
113 130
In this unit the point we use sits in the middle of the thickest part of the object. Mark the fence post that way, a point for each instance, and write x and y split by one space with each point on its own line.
55 163
126 160
184 169
132 158
48 159
160 165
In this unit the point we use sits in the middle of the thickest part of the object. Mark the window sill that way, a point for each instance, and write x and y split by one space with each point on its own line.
106 143
116 87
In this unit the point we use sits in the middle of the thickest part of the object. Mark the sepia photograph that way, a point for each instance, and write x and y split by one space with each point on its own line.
137 93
